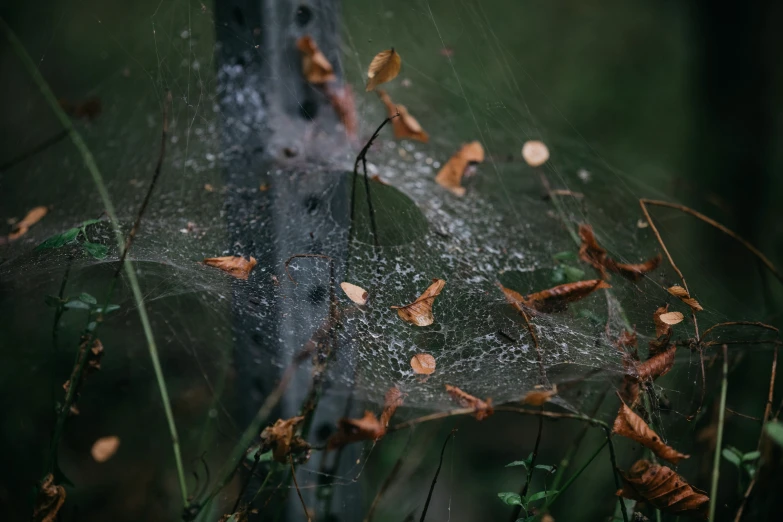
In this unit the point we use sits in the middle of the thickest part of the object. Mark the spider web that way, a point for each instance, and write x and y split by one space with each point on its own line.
224 342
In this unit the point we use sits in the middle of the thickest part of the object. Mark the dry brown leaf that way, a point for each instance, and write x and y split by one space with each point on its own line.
357 294
104 448
657 365
342 101
419 312
594 254
376 178
21 228
405 125
537 397
671 318
237 266
383 68
354 430
423 363
315 67
392 401
629 390
280 438
661 328
483 409
627 339
49 500
682 294
535 153
663 489
450 175
88 109
628 424
554 299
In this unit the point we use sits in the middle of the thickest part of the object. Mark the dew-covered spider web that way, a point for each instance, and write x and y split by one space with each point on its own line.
257 163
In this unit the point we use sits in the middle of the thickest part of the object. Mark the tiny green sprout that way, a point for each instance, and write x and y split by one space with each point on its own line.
774 431
563 273
71 236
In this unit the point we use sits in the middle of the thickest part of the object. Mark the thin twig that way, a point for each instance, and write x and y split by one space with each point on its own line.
293 475
435 478
518 508
89 163
719 443
35 150
738 323
539 355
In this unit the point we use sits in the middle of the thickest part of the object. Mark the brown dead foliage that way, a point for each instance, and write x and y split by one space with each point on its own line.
49 500
236 266
423 363
628 424
344 106
554 299
663 489
663 332
354 430
657 365
594 254
281 440
315 67
392 401
385 66
671 318
482 409
419 312
357 294
539 395
21 228
682 294
104 448
535 153
405 126
450 175
94 355
629 389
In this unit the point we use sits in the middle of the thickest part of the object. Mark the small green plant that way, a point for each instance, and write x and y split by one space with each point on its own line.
744 462
563 272
72 236
515 499
774 431
83 301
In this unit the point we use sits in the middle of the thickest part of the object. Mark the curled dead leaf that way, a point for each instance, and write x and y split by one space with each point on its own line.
49 500
354 430
344 106
682 294
629 390
663 331
594 254
405 125
315 67
671 318
419 312
626 340
483 409
663 489
423 363
554 299
535 153
104 448
21 228
384 67
450 175
392 401
628 424
657 365
237 266
281 440
538 396
357 294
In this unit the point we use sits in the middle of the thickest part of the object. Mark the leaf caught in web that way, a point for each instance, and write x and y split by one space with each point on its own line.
537 397
423 363
482 409
354 430
315 67
671 318
419 312
535 153
594 254
391 402
31 218
554 299
281 439
357 294
636 271
450 175
657 365
344 106
383 68
663 489
682 294
104 448
49 500
628 424
405 126
237 266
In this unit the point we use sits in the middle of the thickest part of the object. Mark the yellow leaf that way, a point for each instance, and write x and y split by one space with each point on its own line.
383 68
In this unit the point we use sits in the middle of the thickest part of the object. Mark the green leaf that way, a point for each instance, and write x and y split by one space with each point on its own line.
540 495
523 463
95 250
733 455
264 457
76 305
774 430
545 467
512 499
59 240
89 222
565 256
109 309
87 298
753 455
